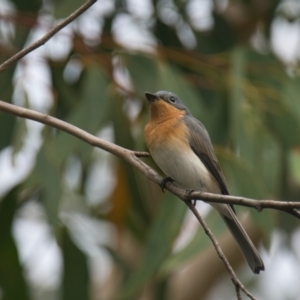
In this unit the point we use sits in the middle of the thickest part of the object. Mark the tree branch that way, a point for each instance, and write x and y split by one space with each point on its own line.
259 205
47 36
132 158
238 285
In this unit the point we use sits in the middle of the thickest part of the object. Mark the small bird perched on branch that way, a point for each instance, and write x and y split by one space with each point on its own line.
181 147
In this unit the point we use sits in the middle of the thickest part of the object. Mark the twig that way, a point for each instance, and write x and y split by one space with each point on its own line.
141 154
47 36
132 157
238 285
259 205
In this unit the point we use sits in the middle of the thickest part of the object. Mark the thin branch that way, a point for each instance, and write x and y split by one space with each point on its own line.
259 205
47 36
141 154
238 285
132 157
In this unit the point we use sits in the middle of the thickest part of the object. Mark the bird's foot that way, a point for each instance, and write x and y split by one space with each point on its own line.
164 181
189 191
194 201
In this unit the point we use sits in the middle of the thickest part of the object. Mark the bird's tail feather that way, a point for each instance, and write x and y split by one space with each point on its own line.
248 249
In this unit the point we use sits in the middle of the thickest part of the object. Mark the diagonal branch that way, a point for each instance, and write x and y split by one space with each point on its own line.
47 36
237 283
132 158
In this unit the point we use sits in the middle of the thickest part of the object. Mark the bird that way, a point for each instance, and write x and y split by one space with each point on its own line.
181 147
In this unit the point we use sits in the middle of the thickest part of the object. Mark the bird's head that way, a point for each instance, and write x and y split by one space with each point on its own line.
164 105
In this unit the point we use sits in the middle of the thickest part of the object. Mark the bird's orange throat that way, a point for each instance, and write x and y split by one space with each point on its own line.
161 111
165 125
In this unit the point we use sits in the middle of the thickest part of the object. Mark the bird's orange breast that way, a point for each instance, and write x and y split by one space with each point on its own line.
165 126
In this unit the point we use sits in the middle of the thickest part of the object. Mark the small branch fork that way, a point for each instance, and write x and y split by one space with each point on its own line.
133 157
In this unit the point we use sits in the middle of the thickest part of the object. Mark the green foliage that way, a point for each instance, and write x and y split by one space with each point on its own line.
165 228
245 98
197 244
11 271
75 283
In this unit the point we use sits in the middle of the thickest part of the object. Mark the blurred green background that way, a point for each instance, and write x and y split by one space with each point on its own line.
78 223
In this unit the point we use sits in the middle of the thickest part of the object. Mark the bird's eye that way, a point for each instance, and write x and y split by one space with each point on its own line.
172 99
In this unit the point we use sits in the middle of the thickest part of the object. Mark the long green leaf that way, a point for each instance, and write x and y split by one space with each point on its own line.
12 282
90 113
197 244
165 228
75 274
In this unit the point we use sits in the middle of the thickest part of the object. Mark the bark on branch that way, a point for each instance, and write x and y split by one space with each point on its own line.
132 158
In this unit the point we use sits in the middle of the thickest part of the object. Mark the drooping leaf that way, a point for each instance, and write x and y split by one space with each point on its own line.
75 285
12 282
166 34
236 97
63 8
294 163
139 215
90 113
197 244
32 6
47 178
65 93
144 73
120 199
161 236
120 261
7 123
19 136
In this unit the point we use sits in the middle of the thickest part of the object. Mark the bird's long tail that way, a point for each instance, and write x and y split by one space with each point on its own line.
248 249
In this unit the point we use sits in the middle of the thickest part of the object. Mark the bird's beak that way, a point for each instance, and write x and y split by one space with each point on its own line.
151 97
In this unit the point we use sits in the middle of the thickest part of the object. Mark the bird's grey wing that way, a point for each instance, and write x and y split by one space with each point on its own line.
202 147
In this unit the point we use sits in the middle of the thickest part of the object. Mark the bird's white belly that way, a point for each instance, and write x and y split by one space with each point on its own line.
185 167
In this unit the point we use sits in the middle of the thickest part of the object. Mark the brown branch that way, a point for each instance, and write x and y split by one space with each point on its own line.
132 158
259 205
238 285
141 154
47 36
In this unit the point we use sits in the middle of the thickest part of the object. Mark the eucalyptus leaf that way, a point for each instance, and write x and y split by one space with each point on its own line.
143 71
75 284
11 270
165 228
63 8
198 243
47 177
90 113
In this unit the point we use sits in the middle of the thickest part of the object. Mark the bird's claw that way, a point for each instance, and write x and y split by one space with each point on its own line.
164 181
189 191
194 201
